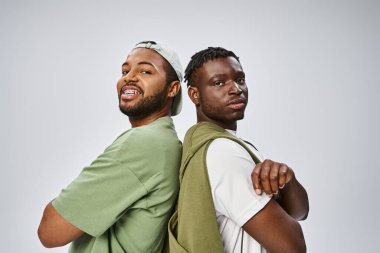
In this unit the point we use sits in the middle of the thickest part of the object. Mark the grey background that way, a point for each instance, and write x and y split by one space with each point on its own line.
313 74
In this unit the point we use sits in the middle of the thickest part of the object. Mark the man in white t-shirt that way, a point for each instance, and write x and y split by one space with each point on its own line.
250 219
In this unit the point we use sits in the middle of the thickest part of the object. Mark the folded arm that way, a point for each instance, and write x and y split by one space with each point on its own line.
278 179
293 198
54 230
275 230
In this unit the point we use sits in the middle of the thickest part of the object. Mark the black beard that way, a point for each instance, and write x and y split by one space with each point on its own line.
146 106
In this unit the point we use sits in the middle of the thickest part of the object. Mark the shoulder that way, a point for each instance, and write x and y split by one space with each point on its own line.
144 144
226 157
226 149
204 130
229 166
158 133
151 144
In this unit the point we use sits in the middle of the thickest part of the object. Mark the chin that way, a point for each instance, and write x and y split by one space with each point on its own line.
238 116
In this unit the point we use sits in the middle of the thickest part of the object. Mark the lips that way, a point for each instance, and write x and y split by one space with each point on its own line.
237 104
129 92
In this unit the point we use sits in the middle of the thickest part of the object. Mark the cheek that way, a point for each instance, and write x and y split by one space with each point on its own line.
153 85
212 104
119 84
212 98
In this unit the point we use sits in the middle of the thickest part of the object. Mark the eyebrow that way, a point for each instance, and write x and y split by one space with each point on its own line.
211 78
217 76
140 63
238 73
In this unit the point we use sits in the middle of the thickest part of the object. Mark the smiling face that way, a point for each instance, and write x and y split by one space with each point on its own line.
219 92
143 88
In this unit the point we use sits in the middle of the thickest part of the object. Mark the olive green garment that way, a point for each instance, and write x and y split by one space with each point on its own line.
123 200
193 227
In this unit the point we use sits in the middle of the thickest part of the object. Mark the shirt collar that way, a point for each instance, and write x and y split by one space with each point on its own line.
233 132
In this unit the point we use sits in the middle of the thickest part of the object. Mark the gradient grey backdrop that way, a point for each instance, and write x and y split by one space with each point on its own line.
313 74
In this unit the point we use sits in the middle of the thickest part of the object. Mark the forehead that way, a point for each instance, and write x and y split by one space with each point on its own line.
144 55
219 66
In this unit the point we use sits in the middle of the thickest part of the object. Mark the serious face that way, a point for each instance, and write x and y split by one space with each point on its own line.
142 88
220 92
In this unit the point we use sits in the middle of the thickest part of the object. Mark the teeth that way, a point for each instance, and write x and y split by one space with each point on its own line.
131 92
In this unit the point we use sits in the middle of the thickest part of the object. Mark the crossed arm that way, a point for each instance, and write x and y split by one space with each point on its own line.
278 179
275 230
279 231
54 230
275 227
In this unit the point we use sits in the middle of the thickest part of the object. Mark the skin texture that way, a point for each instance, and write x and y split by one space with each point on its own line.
220 95
54 230
143 71
275 230
278 179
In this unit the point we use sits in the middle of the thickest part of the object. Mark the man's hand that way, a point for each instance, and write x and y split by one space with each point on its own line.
270 176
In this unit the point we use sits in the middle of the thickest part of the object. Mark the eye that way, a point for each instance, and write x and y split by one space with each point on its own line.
241 81
218 83
124 72
146 72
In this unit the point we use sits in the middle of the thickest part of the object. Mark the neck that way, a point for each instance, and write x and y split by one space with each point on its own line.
140 121
226 125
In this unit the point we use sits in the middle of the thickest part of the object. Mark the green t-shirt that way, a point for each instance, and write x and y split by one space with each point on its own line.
123 200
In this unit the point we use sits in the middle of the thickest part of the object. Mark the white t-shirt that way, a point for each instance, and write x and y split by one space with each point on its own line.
229 168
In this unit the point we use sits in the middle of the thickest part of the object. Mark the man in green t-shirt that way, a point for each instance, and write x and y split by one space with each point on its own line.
123 200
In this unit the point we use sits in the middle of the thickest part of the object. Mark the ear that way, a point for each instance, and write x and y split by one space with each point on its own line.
174 88
193 93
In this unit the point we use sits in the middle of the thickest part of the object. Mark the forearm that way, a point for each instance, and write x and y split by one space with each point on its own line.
275 230
294 200
54 230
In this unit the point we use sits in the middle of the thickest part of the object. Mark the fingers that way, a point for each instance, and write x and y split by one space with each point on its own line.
265 177
289 175
282 175
270 176
255 175
274 177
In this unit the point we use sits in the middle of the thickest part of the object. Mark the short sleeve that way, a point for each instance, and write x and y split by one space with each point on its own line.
229 167
100 194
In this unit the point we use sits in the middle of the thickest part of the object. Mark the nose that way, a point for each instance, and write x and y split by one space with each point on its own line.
235 88
129 77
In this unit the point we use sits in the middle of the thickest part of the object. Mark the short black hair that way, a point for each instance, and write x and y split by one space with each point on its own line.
201 57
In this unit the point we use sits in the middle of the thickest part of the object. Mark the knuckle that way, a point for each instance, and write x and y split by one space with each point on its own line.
273 177
284 168
268 161
264 176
